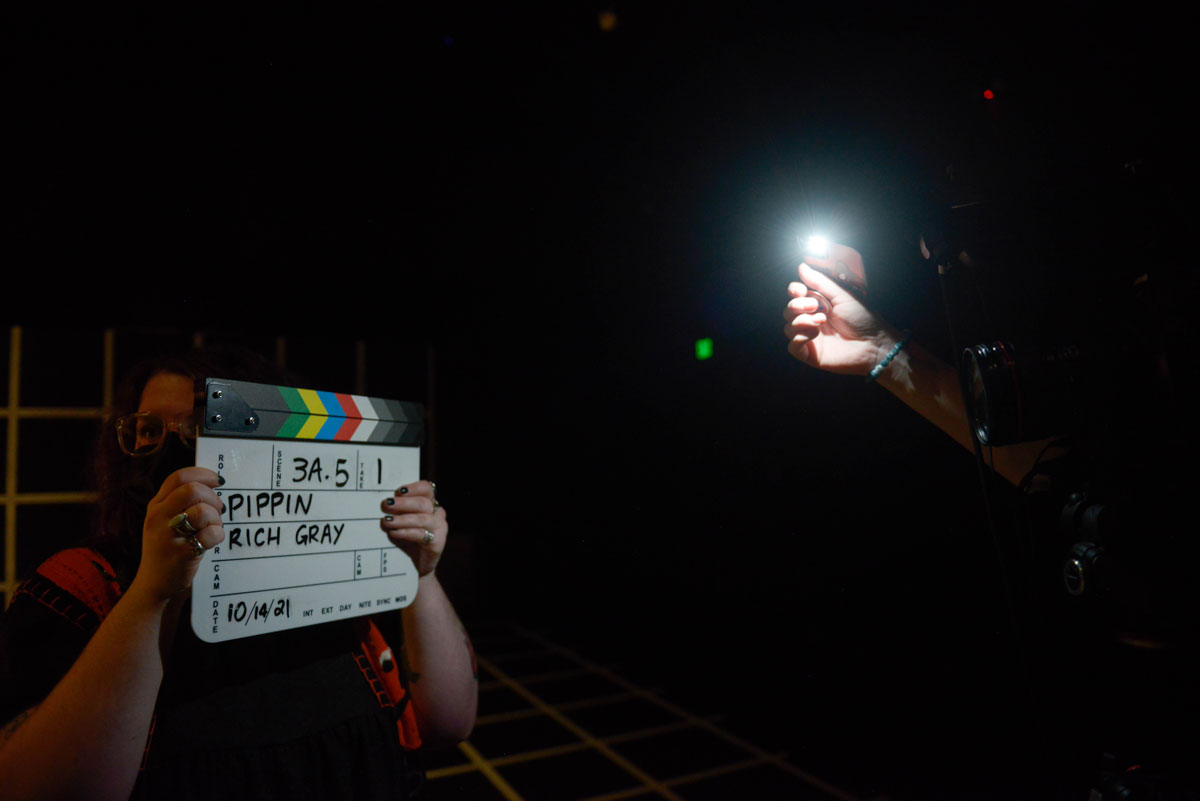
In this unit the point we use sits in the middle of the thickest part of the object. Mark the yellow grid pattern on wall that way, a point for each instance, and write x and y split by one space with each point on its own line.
11 500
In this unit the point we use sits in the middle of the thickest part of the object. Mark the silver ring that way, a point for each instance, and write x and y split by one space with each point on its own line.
197 548
428 537
182 526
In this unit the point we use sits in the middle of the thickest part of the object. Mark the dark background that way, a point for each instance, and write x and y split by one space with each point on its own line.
554 213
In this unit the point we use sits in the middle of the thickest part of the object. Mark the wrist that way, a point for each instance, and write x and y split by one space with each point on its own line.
886 347
144 597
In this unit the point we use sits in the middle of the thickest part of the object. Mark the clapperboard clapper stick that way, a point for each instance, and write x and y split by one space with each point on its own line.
305 473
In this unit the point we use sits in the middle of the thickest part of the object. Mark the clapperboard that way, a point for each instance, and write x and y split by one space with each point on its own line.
305 473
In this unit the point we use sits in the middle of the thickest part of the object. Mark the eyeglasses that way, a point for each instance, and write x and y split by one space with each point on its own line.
144 434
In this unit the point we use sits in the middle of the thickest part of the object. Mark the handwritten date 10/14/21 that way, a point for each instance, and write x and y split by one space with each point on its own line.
263 611
242 612
311 470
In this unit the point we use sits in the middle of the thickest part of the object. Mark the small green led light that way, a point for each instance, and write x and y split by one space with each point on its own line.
704 349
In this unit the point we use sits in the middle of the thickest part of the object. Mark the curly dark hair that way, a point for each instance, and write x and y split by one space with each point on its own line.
121 508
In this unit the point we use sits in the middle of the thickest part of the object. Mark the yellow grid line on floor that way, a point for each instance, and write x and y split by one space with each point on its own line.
482 765
539 678
778 761
540 753
569 706
649 781
653 731
588 741
565 748
731 767
451 770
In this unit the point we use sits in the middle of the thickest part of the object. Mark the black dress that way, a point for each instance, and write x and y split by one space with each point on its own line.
295 714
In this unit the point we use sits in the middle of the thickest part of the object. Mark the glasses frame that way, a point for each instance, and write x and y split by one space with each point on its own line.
168 426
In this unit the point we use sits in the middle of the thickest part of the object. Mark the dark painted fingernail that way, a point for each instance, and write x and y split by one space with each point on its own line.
388 517
390 501
404 490
221 480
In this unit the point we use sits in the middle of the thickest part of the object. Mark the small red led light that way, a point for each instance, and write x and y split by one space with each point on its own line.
988 94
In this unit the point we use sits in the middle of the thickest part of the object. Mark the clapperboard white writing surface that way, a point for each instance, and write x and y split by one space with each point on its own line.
305 473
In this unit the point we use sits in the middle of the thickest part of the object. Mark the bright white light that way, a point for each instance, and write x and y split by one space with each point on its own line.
818 245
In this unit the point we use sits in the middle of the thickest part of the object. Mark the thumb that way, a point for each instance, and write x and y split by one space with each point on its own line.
817 280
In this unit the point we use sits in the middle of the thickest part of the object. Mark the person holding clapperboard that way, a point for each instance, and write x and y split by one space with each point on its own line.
106 692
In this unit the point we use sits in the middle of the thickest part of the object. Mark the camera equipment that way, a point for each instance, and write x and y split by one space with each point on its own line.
1020 394
1095 355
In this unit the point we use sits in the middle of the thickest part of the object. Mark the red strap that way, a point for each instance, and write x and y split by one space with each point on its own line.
385 667
87 576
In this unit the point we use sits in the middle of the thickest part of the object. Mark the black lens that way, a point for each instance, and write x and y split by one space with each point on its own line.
1017 394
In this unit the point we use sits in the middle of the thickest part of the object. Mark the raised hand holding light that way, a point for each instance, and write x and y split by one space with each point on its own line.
826 323
840 262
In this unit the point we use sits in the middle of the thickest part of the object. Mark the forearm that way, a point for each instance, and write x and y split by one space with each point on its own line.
441 665
87 738
930 387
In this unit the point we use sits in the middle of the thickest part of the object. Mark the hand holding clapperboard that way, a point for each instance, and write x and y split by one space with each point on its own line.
304 473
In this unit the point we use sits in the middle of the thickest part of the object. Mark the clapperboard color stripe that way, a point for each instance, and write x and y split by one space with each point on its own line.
305 474
243 409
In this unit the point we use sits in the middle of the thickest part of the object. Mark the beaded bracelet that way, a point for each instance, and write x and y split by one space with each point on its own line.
879 368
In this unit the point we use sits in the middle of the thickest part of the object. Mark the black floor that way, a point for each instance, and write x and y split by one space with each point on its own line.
585 711
554 726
